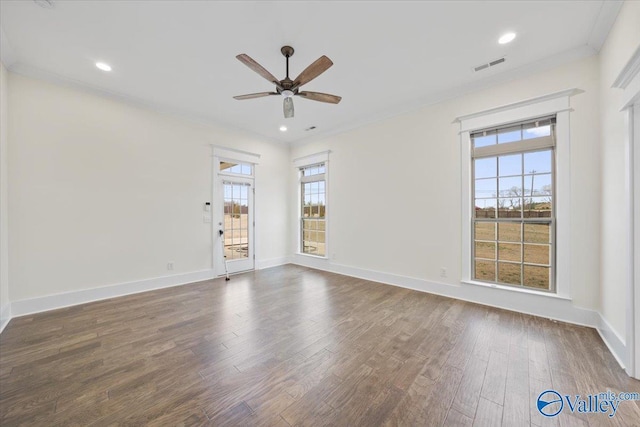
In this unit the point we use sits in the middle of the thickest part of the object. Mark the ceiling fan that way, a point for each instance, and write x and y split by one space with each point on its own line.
289 88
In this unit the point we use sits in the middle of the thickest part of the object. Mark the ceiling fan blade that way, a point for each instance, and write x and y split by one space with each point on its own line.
249 62
322 97
287 106
321 65
254 95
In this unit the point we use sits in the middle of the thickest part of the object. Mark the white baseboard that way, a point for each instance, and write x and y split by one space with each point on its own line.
272 262
550 307
5 316
52 302
614 342
537 305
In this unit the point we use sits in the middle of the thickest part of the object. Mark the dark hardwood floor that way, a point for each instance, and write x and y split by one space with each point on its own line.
295 346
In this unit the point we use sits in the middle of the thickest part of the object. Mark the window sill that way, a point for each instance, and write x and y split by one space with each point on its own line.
514 289
312 256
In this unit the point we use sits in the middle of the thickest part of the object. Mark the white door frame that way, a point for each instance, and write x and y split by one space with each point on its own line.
634 278
629 81
241 264
217 197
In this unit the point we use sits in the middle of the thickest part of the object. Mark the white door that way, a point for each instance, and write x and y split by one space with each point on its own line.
236 225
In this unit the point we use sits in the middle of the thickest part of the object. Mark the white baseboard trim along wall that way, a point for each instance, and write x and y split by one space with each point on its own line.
67 299
537 305
5 316
613 341
272 262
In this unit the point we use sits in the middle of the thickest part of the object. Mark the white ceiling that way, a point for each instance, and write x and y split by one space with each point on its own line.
389 57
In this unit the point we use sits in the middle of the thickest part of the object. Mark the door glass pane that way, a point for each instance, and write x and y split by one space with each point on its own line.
236 221
239 168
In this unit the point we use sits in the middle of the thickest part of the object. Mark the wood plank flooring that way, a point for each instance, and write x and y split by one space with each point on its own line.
295 346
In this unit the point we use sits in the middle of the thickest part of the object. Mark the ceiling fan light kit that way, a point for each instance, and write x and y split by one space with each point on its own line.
287 106
289 88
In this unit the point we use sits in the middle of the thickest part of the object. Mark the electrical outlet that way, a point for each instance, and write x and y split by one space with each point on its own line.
169 266
443 272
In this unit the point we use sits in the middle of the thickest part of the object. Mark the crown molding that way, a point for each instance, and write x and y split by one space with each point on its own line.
388 113
47 76
604 22
523 71
629 71
7 54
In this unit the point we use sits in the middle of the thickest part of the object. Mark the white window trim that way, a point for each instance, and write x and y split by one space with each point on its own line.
241 156
301 162
312 159
555 103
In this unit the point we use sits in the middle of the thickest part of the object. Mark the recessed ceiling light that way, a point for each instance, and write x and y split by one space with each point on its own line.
283 128
103 66
506 38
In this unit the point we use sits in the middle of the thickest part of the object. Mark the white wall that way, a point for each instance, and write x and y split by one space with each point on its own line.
102 192
4 163
623 40
395 185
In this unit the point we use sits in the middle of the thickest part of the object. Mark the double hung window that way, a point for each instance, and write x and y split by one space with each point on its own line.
513 199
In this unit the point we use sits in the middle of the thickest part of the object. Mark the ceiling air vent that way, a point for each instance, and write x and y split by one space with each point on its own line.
489 64
46 4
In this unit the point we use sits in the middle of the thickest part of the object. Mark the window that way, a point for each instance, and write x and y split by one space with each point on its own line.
513 196
236 168
313 227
